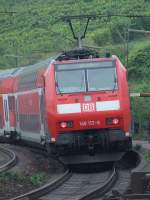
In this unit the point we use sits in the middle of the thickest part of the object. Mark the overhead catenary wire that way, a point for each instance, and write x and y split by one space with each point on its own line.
95 16
138 31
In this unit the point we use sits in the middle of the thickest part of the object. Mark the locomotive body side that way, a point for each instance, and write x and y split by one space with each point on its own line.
125 98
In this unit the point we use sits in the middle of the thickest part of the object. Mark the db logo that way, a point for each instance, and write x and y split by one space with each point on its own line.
88 107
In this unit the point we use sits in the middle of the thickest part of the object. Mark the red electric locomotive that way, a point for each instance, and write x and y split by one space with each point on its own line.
77 106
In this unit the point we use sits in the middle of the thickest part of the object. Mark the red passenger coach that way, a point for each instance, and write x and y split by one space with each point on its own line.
77 106
29 94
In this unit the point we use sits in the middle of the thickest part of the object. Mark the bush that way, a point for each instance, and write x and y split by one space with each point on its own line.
139 62
38 178
118 28
140 109
101 37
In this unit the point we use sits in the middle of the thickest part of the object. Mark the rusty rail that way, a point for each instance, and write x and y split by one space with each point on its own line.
142 94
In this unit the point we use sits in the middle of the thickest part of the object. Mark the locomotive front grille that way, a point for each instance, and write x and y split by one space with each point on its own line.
93 140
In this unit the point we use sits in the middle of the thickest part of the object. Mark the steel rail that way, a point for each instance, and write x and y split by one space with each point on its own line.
119 196
11 162
36 193
101 190
136 196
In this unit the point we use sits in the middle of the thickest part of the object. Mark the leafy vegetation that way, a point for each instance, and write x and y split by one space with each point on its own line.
33 33
147 156
36 179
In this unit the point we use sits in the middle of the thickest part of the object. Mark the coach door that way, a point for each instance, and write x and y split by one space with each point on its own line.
6 113
29 116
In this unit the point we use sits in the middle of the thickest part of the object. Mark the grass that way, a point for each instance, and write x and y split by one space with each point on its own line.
147 157
36 179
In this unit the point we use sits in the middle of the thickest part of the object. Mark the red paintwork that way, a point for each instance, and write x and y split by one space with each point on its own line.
28 103
6 87
52 99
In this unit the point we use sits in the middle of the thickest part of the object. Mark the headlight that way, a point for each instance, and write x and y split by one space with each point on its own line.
66 124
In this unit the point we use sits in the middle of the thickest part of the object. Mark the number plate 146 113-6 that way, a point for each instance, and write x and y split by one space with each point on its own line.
89 123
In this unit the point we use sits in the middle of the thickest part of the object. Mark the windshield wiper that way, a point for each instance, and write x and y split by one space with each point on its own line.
115 83
57 86
82 81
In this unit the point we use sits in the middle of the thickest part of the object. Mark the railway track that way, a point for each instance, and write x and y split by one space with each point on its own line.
122 184
49 187
82 186
7 159
79 186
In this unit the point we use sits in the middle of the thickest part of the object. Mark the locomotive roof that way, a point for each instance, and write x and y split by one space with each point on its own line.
77 53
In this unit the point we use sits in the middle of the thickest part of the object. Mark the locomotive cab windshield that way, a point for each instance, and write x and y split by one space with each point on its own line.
86 77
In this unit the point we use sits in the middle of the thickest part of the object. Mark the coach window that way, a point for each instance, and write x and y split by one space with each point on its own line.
10 102
6 110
